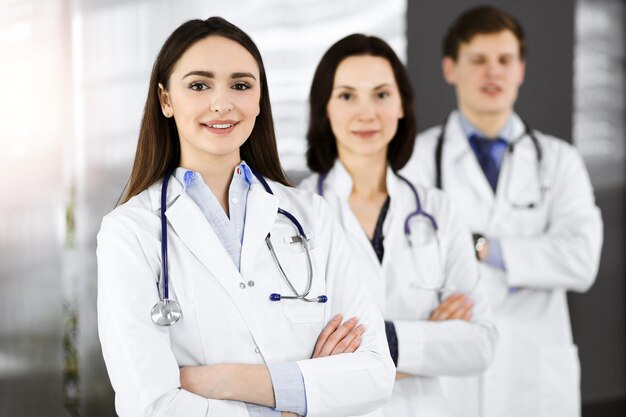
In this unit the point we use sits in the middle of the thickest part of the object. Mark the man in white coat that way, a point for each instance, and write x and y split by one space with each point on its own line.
528 200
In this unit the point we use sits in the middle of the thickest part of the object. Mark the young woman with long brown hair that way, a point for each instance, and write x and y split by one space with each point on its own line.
215 278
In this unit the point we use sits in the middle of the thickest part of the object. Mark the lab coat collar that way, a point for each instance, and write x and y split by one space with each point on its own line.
517 127
261 212
518 177
342 183
174 189
339 180
458 155
190 225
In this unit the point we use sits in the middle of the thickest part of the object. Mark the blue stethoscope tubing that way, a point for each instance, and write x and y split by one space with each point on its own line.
407 229
168 312
418 205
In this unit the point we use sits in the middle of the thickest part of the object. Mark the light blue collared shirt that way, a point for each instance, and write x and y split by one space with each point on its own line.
228 230
286 377
494 256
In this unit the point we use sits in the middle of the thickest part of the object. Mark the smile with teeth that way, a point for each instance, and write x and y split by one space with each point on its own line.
220 125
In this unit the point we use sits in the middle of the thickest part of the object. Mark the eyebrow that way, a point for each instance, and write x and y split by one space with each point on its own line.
210 74
477 53
347 87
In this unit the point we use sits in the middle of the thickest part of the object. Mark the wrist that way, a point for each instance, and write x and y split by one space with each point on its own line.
481 246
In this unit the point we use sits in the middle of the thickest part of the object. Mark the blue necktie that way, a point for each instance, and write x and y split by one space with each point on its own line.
484 150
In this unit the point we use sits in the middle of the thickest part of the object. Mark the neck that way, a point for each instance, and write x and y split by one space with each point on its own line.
217 173
369 173
488 123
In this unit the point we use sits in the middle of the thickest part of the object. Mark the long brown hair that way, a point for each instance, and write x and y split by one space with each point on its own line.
322 146
158 147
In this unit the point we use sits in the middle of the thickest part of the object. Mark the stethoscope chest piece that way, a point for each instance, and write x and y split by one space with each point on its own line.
166 313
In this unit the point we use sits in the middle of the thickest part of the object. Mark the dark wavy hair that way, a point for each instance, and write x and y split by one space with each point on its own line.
322 147
478 21
158 147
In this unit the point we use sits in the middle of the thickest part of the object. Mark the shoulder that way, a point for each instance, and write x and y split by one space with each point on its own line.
554 145
134 214
304 201
309 183
558 154
421 165
429 136
432 199
309 208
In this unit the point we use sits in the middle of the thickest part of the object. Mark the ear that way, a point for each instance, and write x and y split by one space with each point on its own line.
164 99
522 76
448 67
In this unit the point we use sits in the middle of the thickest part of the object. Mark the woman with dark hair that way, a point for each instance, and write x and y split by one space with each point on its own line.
215 278
413 253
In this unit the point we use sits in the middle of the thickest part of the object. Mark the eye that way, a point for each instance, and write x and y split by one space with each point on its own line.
505 60
382 94
198 86
477 60
345 96
241 86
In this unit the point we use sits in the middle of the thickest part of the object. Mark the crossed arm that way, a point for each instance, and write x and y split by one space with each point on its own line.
251 383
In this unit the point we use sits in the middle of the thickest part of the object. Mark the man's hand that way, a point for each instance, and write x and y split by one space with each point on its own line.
455 307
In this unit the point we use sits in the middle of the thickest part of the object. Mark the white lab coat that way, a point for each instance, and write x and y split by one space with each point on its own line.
427 349
547 250
227 315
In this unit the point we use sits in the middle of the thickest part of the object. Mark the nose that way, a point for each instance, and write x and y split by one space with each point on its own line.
493 68
220 102
367 112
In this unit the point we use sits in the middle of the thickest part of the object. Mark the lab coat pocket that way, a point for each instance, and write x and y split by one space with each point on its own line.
427 273
560 381
297 274
528 221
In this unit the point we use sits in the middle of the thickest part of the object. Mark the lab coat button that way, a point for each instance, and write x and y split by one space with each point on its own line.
235 200
257 350
242 285
250 283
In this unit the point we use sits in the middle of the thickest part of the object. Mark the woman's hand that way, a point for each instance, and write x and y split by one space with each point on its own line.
403 375
338 338
455 307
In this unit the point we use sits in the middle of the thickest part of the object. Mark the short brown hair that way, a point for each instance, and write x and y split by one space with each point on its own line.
322 146
481 20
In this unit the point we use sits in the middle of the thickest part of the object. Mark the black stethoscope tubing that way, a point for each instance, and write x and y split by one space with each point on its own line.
511 148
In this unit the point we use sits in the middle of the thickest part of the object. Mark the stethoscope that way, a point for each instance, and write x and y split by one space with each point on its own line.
168 312
418 204
432 283
510 148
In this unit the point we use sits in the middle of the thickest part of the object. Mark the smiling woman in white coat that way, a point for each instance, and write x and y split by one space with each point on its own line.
413 253
215 278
